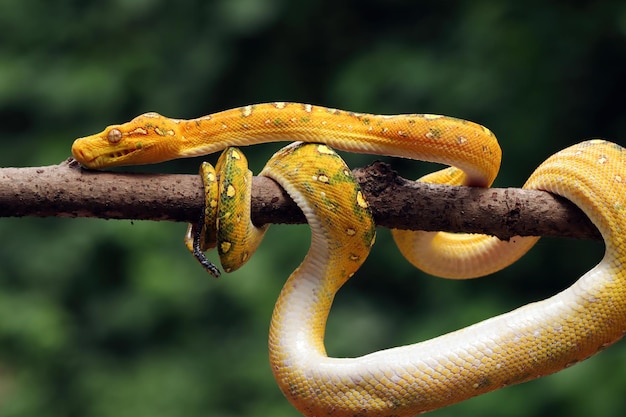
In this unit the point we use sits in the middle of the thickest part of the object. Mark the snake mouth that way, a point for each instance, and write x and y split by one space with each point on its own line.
95 160
122 153
116 157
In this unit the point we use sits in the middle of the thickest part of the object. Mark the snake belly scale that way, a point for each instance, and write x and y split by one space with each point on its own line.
529 342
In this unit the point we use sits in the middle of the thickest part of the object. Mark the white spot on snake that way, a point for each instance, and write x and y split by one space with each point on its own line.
432 116
308 108
323 178
280 105
139 131
225 246
360 200
324 150
235 155
246 111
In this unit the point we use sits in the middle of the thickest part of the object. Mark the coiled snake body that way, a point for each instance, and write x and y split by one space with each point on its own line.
532 341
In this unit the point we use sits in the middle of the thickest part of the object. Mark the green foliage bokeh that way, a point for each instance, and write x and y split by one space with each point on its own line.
114 318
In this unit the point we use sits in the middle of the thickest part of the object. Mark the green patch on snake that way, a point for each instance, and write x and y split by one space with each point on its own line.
434 133
310 189
330 203
342 177
369 237
226 228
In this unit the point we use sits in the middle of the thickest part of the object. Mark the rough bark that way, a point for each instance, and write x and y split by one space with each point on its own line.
68 190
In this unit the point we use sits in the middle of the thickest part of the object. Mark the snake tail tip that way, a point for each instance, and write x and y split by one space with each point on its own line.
207 265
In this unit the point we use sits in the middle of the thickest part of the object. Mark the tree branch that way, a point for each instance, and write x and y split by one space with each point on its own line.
68 190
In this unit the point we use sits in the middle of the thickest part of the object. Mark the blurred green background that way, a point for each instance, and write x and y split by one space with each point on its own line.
115 318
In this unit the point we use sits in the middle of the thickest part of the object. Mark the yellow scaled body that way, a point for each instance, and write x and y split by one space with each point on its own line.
534 340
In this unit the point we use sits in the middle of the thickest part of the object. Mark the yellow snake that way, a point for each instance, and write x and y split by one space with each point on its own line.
532 341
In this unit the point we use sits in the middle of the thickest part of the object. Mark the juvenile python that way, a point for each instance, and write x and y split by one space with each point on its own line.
529 342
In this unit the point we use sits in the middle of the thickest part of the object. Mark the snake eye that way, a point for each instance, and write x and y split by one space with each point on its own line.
114 136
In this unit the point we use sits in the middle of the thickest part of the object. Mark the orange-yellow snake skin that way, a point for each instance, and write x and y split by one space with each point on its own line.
529 342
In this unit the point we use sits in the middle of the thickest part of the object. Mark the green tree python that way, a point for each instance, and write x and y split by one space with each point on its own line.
531 341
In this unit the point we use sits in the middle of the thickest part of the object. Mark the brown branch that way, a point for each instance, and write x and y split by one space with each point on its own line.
68 190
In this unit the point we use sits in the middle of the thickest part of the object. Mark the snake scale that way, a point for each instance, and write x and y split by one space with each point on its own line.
526 343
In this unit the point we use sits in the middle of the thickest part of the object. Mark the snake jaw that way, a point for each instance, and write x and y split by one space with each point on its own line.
86 151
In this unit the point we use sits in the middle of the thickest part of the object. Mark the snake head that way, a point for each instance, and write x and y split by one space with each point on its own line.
147 139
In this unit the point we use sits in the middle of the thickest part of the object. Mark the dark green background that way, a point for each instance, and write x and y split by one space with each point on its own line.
114 318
